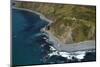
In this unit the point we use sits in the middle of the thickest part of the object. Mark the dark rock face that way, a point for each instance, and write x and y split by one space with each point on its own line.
90 55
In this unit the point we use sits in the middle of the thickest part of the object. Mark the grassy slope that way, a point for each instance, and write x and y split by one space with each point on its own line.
72 23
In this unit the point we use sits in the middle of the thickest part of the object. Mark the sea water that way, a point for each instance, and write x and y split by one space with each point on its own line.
30 45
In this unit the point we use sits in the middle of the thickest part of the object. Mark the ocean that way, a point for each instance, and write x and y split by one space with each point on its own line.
31 46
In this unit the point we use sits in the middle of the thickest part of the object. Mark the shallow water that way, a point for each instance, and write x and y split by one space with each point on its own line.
30 45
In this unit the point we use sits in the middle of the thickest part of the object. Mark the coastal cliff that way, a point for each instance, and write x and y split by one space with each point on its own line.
71 23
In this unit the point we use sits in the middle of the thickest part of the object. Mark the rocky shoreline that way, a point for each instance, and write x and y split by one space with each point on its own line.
85 45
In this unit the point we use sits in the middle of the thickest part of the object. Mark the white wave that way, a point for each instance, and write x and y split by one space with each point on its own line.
53 53
66 55
52 48
69 56
79 55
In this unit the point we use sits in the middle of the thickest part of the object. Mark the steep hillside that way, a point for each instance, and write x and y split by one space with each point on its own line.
71 23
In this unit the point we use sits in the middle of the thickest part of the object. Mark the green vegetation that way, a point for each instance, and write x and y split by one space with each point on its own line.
71 23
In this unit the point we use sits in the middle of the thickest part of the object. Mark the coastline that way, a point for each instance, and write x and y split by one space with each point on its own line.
31 11
80 46
86 45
